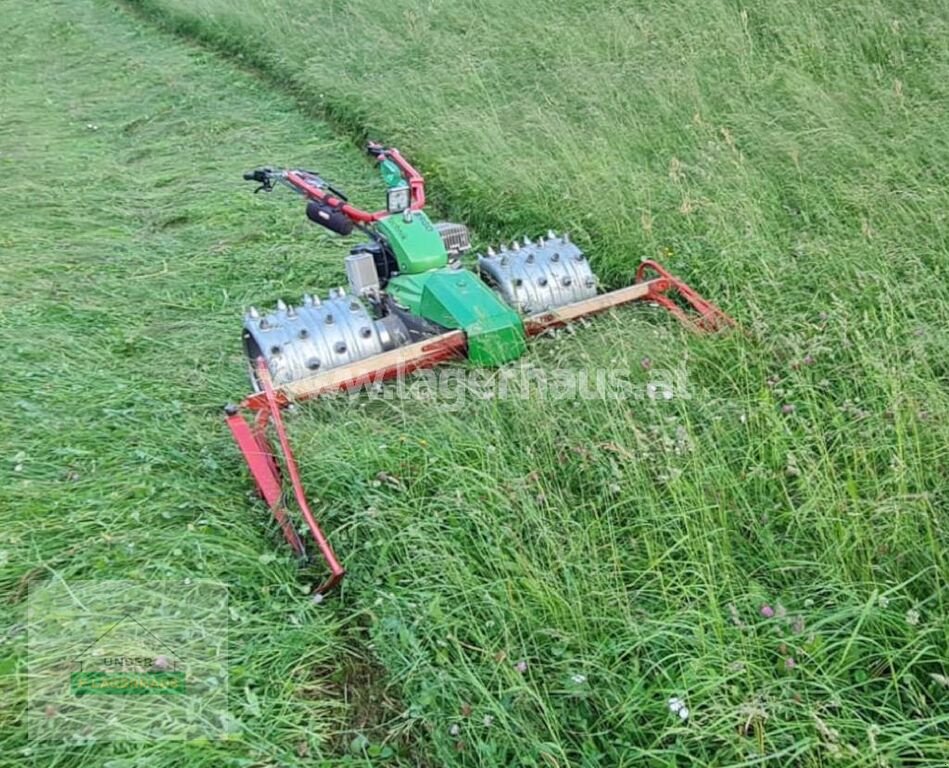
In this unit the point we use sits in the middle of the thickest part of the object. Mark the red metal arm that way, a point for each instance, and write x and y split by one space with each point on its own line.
709 317
262 462
415 179
298 180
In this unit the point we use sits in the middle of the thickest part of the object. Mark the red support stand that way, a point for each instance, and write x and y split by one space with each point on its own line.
710 317
262 461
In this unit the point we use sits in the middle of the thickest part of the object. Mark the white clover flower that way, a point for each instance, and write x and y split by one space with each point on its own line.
677 707
578 679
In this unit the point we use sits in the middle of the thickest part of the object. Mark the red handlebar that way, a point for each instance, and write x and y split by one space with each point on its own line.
416 189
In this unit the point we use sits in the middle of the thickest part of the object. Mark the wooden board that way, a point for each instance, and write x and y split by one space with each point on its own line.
541 322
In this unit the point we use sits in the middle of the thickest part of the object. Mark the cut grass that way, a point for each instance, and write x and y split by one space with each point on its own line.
790 160
130 248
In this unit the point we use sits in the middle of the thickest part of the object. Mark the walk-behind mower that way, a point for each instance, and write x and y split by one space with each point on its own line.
410 304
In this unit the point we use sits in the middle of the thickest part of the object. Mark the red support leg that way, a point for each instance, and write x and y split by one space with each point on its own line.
262 463
259 461
273 404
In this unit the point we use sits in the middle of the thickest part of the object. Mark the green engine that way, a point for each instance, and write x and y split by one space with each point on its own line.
447 295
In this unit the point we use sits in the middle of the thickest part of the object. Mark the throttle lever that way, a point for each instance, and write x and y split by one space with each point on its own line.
338 193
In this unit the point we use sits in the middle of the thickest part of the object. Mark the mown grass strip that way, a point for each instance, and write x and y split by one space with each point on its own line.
129 250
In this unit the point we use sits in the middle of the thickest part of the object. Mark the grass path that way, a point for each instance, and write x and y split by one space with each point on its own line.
130 248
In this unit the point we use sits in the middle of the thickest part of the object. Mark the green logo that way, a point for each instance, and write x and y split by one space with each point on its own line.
127 683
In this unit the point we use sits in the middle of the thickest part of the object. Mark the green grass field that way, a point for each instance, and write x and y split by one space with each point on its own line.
530 582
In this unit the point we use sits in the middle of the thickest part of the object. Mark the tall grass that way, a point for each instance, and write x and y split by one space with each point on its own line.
790 159
545 575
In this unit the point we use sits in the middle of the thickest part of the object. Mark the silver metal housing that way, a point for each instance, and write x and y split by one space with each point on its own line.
317 336
361 273
539 276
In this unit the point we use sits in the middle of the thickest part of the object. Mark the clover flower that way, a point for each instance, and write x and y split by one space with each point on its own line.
677 707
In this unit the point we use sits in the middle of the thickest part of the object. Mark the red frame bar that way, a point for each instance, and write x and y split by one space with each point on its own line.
397 362
266 405
710 317
262 462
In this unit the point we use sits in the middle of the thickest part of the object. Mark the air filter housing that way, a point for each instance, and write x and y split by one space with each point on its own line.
454 236
361 272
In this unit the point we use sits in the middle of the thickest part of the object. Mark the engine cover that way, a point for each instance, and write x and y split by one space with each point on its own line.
537 277
317 336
